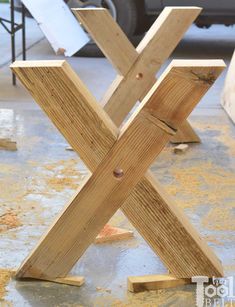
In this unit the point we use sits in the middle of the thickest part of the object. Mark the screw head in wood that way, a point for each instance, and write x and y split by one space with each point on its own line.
139 76
118 173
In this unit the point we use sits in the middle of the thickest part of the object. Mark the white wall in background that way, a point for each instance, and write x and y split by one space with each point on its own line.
59 25
228 95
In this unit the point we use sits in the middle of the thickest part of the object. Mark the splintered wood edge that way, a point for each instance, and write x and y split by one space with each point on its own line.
154 282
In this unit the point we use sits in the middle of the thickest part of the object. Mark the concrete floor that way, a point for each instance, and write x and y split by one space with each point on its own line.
38 179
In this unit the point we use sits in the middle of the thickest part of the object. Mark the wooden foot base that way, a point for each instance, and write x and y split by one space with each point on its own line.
111 234
154 282
77 281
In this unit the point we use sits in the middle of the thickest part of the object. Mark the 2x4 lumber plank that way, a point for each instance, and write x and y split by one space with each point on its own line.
77 281
155 206
153 50
57 84
154 282
101 26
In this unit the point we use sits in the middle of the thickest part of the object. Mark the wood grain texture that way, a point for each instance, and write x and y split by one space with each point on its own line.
109 37
77 281
154 282
184 86
148 58
186 134
154 50
54 88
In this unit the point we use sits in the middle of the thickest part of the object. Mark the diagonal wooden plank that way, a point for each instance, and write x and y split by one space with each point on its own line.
138 206
53 89
150 49
109 37
154 50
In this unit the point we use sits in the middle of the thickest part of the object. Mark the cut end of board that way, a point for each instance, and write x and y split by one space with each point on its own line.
154 282
31 64
112 234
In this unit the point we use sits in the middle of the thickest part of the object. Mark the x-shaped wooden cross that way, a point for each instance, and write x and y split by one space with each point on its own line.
119 161
137 68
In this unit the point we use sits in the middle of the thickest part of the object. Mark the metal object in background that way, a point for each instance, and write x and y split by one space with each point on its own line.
12 29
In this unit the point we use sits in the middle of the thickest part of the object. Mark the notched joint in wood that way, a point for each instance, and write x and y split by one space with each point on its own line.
163 125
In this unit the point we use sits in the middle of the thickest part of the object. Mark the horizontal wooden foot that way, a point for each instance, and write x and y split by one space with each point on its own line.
77 281
154 282
111 234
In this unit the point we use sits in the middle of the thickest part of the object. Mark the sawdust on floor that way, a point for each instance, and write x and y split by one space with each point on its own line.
220 218
203 182
5 276
22 192
196 183
9 220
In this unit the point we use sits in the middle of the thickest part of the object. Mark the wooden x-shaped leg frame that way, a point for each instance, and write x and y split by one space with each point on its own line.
119 161
137 68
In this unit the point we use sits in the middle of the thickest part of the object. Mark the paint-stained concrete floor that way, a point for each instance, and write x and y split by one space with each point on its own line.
39 178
